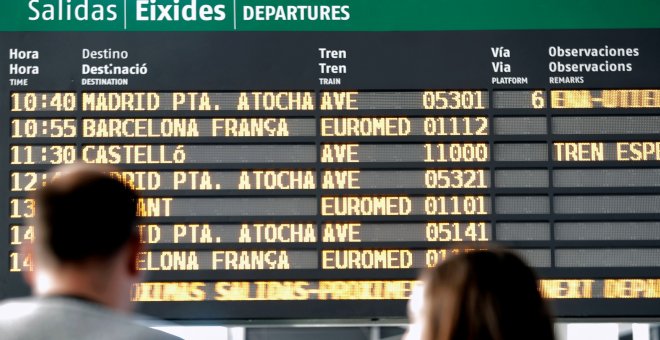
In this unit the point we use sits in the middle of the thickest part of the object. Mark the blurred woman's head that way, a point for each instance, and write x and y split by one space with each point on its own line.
484 295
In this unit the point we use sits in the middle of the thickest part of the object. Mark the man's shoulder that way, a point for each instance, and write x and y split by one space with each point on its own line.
60 318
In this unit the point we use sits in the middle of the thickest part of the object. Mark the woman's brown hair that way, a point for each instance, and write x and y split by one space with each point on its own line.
484 295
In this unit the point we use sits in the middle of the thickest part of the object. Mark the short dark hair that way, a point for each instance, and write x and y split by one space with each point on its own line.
486 295
85 214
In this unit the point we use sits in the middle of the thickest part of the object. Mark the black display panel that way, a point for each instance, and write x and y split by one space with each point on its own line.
289 175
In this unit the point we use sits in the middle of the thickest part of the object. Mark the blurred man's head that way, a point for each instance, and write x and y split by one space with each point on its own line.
85 235
84 214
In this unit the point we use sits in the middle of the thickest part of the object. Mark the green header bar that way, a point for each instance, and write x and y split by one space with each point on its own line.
324 15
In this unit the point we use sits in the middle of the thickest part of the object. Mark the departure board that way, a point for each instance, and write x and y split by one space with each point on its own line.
290 174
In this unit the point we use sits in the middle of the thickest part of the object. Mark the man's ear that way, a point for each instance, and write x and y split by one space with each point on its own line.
134 249
27 250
